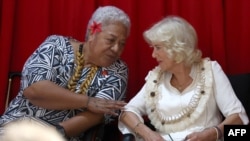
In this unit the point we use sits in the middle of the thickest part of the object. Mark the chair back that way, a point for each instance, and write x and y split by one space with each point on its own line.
13 86
241 86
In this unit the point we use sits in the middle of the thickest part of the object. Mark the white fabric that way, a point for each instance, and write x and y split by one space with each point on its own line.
171 101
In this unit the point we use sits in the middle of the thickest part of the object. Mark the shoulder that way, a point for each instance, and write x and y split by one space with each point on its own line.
214 64
118 64
55 38
56 42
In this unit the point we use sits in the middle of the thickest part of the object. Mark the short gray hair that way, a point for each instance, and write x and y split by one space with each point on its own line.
109 14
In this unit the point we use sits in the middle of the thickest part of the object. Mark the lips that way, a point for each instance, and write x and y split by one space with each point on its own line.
112 56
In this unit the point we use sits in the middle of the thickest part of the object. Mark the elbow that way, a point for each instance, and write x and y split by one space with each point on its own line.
30 93
122 115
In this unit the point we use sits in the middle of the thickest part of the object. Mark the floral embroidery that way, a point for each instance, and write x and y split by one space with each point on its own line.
95 27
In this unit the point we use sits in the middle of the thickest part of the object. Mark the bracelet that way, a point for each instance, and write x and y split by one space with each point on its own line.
218 132
137 125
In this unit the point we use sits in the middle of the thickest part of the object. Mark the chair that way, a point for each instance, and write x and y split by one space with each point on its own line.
13 77
241 86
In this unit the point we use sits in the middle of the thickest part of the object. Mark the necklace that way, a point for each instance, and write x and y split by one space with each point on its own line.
179 86
78 71
190 113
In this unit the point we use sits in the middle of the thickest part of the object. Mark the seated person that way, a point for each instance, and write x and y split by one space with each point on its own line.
185 97
75 85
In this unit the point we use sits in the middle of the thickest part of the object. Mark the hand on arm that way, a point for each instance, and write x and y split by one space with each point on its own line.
48 95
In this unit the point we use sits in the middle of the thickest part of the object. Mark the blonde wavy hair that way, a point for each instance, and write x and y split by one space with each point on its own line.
178 37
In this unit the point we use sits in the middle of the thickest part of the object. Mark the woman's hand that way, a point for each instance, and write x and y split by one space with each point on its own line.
208 134
99 105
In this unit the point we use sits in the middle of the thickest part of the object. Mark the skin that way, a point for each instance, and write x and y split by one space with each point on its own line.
105 47
179 70
101 49
180 74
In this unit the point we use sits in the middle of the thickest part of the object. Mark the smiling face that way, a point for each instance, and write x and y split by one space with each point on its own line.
105 47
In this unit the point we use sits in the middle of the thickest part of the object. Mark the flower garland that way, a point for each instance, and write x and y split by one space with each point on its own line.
187 115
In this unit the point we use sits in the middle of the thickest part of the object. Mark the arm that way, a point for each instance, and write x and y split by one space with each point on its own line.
81 122
108 89
131 120
233 119
212 133
45 76
230 107
138 127
48 95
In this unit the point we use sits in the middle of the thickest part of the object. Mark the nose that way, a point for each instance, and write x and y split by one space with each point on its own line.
115 48
154 53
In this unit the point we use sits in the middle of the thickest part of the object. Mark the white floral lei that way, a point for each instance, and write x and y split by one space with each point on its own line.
168 124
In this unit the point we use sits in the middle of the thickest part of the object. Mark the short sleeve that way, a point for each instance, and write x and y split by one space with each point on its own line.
44 63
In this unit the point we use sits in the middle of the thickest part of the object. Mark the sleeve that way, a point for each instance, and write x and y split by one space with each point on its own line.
137 103
223 88
41 64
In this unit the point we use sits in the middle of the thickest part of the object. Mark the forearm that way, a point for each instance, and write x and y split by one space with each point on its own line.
129 119
233 119
134 123
48 95
81 122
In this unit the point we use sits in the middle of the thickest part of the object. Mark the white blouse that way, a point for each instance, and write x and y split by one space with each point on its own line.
199 106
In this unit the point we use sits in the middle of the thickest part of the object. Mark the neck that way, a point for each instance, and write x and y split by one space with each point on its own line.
181 79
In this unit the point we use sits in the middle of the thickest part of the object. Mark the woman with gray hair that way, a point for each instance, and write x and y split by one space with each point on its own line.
75 85
184 95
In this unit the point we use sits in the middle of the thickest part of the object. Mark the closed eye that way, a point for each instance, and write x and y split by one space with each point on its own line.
110 41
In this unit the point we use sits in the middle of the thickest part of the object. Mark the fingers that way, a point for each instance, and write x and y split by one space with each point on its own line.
99 105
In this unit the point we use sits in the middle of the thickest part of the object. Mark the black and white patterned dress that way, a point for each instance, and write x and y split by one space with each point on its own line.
54 60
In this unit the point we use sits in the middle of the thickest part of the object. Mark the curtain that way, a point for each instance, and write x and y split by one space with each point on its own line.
222 27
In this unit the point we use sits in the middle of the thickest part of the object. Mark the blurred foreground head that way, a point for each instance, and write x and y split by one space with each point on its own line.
30 130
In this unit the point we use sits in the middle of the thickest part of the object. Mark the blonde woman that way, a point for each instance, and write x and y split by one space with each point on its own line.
185 97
